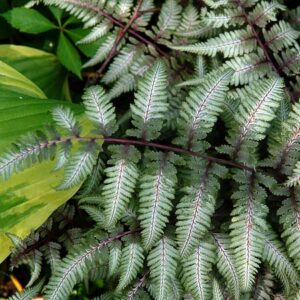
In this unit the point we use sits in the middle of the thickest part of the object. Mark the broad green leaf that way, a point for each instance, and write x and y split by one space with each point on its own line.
28 20
68 55
13 82
28 198
87 49
41 67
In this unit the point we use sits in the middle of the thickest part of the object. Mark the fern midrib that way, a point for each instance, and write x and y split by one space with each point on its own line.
281 258
117 193
250 120
196 211
201 107
228 261
85 256
249 228
288 147
251 66
264 13
231 43
163 271
149 103
99 111
77 170
156 202
198 273
132 252
278 36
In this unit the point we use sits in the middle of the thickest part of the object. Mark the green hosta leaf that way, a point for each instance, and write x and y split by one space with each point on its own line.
68 55
28 20
14 83
41 67
27 199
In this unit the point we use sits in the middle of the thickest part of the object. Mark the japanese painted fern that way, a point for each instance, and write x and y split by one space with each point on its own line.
198 198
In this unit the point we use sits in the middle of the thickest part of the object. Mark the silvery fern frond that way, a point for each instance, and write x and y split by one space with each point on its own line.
65 118
226 263
131 263
79 166
120 182
202 106
97 32
31 149
157 190
162 262
247 228
150 104
230 44
100 110
196 270
290 219
277 258
281 35
265 12
195 209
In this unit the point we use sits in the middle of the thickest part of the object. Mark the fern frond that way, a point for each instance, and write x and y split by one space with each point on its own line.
247 227
100 110
264 286
248 68
265 12
294 179
131 263
257 110
79 166
289 61
278 260
83 10
290 220
195 209
65 118
162 262
102 51
189 24
200 110
229 17
283 147
168 19
126 83
28 151
97 32
120 65
217 290
150 104
230 44
196 270
120 182
226 263
281 35
115 253
52 254
75 266
216 3
157 190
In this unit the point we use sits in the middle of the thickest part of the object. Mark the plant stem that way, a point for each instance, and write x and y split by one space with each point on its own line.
263 47
176 149
118 40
